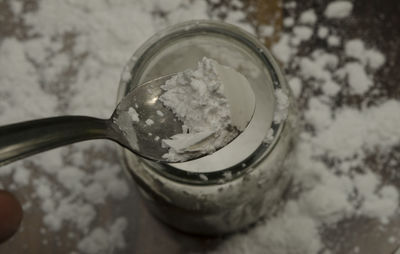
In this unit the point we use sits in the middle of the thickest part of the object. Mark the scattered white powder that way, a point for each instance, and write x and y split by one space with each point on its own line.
346 135
318 114
133 114
288 22
102 241
203 177
282 50
232 16
16 69
296 86
101 37
375 59
333 40
21 176
376 202
356 49
288 233
357 77
266 31
308 17
228 175
350 133
316 71
302 32
290 5
322 32
91 42
149 122
282 106
338 9
160 113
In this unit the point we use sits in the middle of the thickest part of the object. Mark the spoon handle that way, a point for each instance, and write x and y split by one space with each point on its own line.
23 139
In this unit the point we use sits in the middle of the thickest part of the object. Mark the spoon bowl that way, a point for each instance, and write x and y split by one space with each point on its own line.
156 122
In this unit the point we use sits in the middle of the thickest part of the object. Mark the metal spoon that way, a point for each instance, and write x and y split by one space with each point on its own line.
23 139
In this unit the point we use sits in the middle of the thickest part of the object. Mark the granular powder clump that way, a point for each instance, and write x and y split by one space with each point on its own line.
199 100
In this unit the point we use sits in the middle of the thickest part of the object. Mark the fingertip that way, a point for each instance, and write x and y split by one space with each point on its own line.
11 214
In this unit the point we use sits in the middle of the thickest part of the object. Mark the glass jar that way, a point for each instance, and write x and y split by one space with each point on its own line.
240 183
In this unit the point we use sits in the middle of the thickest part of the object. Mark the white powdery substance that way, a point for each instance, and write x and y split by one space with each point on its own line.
282 105
352 131
333 40
282 50
322 32
284 234
315 70
133 114
21 176
103 35
325 199
266 31
357 76
338 9
196 97
100 37
356 49
303 33
288 22
69 195
346 135
149 122
21 95
91 41
101 241
159 113
295 85
308 17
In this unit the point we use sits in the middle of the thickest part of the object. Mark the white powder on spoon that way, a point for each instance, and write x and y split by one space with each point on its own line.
133 114
214 103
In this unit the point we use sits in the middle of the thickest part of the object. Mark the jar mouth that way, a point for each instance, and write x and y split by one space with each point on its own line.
133 75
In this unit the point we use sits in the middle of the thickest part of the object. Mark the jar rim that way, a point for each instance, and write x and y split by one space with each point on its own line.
251 42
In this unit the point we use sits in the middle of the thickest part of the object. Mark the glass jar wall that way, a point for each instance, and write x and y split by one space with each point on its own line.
242 182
